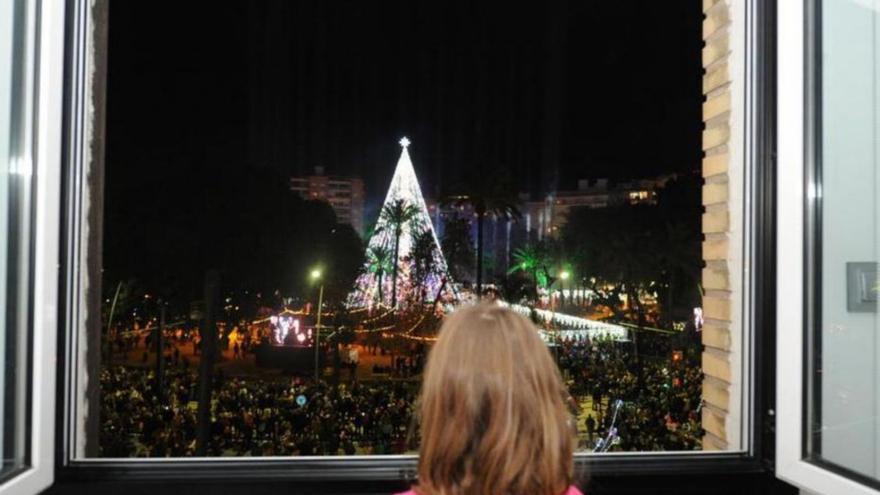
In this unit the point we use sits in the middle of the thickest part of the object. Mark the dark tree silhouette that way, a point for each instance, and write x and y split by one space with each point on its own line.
458 248
423 260
490 195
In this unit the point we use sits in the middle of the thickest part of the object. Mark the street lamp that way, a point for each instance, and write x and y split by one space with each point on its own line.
563 276
316 276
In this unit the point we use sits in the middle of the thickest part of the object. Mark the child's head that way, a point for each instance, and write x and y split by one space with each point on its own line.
493 416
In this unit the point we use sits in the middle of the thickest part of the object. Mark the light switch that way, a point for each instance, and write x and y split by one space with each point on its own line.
861 287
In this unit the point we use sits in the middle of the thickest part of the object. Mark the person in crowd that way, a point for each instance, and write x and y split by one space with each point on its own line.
493 410
591 427
353 359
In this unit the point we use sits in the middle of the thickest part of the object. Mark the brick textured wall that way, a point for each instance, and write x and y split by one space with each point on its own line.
717 301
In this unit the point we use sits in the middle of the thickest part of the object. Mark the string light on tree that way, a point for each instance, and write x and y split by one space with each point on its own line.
403 192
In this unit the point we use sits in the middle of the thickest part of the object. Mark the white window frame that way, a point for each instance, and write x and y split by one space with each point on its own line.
793 93
333 467
45 81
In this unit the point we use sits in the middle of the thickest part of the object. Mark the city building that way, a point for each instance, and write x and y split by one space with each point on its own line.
542 218
345 195
546 218
537 215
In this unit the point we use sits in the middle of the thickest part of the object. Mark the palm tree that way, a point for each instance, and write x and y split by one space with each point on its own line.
397 215
379 263
486 198
531 259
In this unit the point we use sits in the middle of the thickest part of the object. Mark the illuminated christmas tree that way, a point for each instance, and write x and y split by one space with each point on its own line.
404 263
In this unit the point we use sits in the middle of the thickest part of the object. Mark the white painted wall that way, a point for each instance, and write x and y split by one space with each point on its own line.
851 216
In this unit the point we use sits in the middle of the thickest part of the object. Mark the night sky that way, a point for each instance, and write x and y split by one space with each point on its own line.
548 92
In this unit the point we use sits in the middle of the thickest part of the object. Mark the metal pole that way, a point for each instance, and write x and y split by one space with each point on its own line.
160 351
562 293
554 329
318 329
110 323
208 334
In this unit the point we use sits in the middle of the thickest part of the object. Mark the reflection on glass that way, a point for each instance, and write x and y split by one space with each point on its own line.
350 194
14 181
845 374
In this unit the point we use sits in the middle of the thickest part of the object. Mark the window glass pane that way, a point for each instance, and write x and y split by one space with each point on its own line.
14 181
264 215
845 374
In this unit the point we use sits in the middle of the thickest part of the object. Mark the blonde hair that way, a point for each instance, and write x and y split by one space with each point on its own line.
492 411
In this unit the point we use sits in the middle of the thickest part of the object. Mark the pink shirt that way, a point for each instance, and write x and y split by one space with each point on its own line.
572 490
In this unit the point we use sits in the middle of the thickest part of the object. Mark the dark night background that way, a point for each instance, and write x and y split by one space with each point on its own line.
214 106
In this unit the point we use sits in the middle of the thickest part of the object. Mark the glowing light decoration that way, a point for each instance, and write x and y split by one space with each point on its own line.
571 327
698 319
286 325
404 187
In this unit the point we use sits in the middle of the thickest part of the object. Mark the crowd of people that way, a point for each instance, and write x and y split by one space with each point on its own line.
252 417
660 394
660 391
